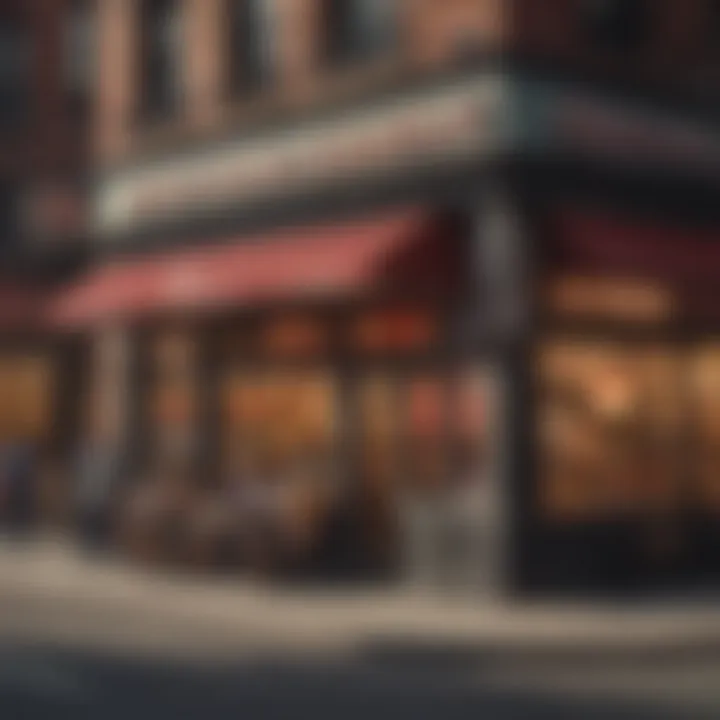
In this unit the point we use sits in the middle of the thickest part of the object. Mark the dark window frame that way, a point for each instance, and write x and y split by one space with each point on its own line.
251 46
161 59
16 95
355 31
80 54
620 26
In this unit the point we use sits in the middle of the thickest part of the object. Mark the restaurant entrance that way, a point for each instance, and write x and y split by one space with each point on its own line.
428 453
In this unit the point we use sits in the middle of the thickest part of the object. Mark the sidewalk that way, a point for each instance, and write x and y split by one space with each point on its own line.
235 614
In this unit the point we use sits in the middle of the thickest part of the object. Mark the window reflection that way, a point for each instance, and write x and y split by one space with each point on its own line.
705 388
609 431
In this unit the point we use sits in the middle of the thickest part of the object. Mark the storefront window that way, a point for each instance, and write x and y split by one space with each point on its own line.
426 464
705 389
474 420
608 431
380 432
279 448
173 400
428 431
25 397
281 422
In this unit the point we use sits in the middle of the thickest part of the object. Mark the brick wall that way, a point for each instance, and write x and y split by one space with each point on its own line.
434 32
677 47
439 31
116 67
50 140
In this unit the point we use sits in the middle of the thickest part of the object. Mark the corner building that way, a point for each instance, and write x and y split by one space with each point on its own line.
388 245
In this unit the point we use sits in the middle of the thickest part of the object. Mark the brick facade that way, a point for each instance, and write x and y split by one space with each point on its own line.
51 140
430 33
433 33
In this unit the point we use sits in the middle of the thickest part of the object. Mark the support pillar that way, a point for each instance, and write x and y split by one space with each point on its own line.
113 394
500 331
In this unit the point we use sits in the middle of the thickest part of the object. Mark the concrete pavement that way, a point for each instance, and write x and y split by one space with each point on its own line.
231 613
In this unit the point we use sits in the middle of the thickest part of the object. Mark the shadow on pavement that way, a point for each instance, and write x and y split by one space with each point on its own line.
40 682
453 657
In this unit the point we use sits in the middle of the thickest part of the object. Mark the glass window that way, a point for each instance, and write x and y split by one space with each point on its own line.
15 81
379 429
617 24
705 388
427 430
252 51
79 53
173 400
426 462
474 424
608 430
359 29
284 421
25 396
161 68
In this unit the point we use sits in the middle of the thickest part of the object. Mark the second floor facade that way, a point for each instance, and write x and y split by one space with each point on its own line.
177 69
47 85
47 93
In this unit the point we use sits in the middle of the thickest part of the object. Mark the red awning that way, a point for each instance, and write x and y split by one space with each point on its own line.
329 261
607 243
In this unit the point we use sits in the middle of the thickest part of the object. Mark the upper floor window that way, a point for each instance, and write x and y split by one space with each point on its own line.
79 53
251 36
359 29
161 58
15 80
620 25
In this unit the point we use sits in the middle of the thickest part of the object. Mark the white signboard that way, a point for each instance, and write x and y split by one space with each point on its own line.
453 123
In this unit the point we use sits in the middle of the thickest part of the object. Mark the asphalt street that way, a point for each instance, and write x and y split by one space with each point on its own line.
142 667
40 683
80 640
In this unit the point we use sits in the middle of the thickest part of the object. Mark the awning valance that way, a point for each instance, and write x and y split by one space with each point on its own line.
329 261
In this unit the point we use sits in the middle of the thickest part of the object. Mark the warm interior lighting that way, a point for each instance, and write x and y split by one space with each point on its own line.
624 299
395 330
613 397
25 384
294 336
